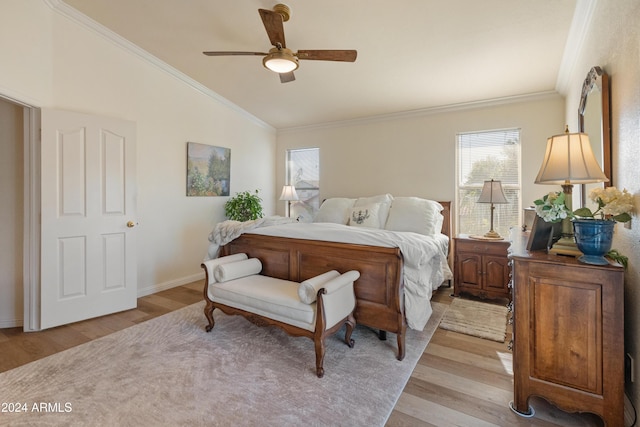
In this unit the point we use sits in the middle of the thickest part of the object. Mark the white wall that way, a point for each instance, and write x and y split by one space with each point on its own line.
53 61
414 154
613 43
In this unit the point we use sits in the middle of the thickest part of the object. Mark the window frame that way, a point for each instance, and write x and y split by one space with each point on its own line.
304 210
509 187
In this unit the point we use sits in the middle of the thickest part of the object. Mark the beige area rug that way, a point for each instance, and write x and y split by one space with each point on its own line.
479 319
170 372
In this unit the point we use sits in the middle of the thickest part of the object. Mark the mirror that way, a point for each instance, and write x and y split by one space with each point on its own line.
594 120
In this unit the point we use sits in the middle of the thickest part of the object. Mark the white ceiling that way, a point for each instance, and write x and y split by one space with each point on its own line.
412 54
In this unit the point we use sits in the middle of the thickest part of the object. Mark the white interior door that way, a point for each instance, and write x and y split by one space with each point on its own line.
88 217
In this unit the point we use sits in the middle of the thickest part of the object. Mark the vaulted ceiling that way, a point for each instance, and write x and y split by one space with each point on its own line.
412 54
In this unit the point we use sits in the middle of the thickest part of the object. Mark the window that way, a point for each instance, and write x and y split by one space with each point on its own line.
483 156
303 172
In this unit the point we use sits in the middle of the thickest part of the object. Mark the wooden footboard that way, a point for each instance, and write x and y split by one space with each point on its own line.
379 290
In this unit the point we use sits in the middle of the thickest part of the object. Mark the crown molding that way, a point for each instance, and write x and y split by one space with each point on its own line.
426 111
578 31
74 15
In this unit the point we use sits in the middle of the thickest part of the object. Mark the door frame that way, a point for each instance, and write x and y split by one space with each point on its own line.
31 214
31 242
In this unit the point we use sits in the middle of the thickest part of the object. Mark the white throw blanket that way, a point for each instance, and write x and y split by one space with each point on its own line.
425 257
226 231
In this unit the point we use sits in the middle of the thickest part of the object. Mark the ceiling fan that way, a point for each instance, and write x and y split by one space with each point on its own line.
280 59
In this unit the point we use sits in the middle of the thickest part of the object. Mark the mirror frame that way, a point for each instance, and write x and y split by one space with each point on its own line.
598 78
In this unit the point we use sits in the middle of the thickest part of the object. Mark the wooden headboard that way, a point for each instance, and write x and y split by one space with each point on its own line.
446 213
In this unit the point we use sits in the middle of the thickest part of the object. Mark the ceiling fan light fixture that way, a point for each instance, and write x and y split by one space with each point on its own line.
280 60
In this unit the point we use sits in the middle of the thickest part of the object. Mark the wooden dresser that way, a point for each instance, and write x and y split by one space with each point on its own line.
568 333
481 267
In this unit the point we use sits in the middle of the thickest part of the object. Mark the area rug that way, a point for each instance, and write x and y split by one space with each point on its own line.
478 319
169 371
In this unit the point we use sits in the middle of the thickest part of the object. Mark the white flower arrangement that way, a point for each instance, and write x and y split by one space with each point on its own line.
551 207
613 205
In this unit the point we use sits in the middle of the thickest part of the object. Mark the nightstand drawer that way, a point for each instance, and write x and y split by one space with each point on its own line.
480 247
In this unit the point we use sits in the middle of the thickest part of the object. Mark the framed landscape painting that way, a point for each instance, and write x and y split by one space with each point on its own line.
208 170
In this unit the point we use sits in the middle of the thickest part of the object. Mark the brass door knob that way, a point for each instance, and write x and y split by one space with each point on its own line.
131 224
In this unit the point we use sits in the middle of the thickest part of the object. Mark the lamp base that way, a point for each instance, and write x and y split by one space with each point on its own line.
565 246
478 237
491 234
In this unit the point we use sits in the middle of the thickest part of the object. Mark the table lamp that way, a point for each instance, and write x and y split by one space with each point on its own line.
492 193
569 160
289 194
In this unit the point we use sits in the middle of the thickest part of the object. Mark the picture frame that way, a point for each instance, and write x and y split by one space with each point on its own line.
208 170
543 234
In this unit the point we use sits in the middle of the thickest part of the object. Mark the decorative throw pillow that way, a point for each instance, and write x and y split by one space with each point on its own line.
415 214
335 210
365 216
238 269
385 203
308 290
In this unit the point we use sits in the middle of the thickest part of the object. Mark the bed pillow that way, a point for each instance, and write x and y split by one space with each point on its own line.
365 216
335 210
415 214
385 201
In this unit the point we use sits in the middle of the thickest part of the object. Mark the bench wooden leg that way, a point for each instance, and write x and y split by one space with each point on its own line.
351 324
208 313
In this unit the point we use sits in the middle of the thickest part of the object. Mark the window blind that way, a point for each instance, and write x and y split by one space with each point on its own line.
482 156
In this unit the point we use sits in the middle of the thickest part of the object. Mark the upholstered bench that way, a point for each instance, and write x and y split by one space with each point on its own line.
315 308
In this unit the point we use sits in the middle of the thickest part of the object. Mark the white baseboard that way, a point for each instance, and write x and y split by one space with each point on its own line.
170 284
11 323
18 323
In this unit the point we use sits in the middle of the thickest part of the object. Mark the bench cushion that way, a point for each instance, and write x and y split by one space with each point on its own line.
266 296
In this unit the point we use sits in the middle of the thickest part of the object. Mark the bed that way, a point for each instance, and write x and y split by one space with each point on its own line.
400 263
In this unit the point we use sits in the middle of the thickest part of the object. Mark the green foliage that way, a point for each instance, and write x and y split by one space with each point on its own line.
244 206
219 167
618 257
551 207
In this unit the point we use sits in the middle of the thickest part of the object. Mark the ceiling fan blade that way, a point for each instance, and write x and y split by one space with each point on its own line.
287 77
273 24
233 53
328 55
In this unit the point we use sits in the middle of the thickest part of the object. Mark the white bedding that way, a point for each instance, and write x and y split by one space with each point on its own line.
425 257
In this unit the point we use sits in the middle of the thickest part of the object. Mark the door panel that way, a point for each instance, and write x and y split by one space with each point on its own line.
88 263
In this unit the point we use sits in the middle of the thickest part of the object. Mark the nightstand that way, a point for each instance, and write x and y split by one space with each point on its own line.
481 267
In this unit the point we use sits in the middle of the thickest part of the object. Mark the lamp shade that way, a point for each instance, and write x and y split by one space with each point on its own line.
492 193
289 193
569 160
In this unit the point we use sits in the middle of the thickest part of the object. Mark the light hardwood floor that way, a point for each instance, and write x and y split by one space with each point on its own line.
459 381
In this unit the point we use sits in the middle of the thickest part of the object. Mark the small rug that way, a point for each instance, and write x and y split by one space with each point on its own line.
169 372
478 319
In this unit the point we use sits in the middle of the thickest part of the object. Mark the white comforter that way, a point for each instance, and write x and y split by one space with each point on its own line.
425 257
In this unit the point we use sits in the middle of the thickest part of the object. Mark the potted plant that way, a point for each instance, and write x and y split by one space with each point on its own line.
244 206
594 230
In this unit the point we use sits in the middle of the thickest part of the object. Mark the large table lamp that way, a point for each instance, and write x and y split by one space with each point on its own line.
492 193
569 160
289 194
